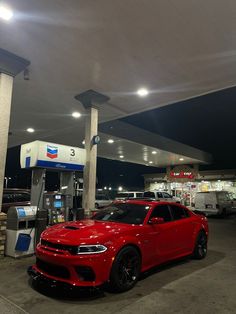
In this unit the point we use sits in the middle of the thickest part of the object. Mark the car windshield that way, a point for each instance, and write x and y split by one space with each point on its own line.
124 213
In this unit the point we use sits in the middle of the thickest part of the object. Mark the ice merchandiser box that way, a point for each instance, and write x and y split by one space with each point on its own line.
49 155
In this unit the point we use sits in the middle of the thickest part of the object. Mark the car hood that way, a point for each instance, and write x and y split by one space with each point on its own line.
85 232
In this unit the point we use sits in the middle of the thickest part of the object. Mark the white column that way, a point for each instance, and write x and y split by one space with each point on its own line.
6 85
91 129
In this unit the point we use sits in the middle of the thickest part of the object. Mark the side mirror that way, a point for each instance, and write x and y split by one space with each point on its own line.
156 221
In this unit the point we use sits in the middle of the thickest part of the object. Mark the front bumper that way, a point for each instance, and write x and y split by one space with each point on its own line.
67 269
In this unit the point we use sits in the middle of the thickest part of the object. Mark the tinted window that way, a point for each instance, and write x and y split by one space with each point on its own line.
124 213
131 194
8 198
139 194
101 197
122 195
21 197
149 194
159 195
166 195
177 212
161 211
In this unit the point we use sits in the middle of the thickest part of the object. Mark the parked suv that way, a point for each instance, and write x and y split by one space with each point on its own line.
213 203
161 196
102 201
128 194
15 197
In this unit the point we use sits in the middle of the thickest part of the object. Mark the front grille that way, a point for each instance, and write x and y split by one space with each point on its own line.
69 248
52 269
85 273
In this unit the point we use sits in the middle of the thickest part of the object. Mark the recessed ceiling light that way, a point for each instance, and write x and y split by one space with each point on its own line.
150 162
181 159
154 152
142 92
5 13
121 156
83 142
76 114
110 141
30 130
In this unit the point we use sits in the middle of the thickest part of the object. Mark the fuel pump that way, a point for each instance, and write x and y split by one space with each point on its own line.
58 206
66 160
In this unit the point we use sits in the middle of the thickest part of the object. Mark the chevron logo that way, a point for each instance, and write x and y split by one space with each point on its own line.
52 151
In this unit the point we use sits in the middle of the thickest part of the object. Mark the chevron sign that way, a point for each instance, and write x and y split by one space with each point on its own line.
52 151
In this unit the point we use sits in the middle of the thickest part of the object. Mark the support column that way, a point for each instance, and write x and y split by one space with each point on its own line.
37 187
10 66
91 129
6 86
67 187
90 100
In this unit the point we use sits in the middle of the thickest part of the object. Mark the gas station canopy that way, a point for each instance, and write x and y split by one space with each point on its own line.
175 51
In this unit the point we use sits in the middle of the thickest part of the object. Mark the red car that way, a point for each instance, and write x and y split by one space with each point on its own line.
119 243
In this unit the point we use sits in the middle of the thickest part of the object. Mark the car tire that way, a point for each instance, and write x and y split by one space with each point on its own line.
125 270
200 250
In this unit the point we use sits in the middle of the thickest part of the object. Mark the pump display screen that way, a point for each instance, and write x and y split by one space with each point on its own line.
58 204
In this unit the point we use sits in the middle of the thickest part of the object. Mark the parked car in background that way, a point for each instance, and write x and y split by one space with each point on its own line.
128 194
213 203
233 201
102 200
15 197
161 196
118 243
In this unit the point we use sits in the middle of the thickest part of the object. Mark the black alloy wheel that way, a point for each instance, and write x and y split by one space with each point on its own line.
125 269
200 250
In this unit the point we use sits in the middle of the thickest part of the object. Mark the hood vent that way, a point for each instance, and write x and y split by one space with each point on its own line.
71 227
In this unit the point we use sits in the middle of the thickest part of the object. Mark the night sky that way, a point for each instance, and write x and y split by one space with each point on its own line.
206 122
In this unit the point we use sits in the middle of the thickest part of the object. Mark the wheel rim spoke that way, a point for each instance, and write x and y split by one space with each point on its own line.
202 245
128 269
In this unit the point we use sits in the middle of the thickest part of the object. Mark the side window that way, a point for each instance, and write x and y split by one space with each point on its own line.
166 195
159 195
149 194
227 196
139 194
131 194
21 197
177 212
8 198
161 211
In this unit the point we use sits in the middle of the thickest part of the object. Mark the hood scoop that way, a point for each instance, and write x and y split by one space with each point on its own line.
71 227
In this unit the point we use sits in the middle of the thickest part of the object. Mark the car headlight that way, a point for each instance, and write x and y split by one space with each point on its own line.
91 249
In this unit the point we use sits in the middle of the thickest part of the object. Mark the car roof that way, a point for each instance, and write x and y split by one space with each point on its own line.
15 190
141 201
